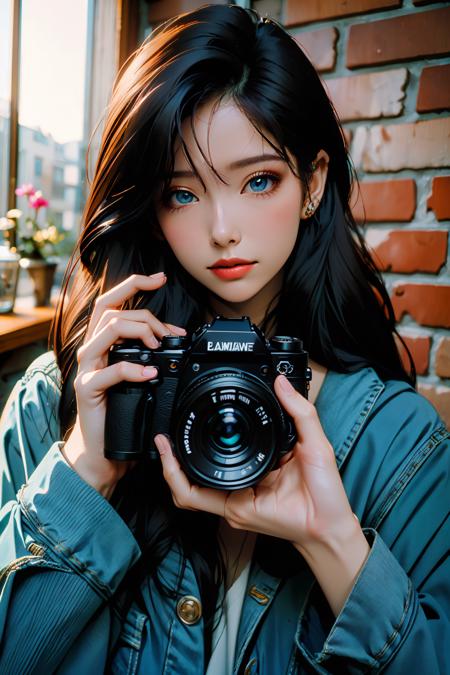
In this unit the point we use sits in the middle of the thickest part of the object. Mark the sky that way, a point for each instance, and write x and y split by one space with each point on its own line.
53 57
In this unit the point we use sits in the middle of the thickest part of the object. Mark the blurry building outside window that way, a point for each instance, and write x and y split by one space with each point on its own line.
52 124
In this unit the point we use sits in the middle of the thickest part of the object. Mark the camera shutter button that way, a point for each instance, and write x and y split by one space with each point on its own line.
174 341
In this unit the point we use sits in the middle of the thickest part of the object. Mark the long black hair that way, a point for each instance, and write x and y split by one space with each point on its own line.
333 296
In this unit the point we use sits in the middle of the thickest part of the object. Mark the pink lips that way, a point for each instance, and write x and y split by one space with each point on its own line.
231 268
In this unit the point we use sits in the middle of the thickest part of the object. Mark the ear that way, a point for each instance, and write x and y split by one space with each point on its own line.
316 186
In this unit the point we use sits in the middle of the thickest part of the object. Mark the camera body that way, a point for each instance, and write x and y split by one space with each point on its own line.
214 396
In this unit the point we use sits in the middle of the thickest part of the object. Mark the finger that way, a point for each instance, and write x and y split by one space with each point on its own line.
159 329
115 297
175 329
285 458
99 345
305 417
97 382
185 495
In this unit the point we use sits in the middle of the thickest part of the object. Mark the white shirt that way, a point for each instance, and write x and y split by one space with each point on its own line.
238 550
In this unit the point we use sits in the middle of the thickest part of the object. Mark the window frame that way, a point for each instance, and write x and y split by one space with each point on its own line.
127 20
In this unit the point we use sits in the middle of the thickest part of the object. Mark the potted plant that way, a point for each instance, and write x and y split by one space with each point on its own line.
35 243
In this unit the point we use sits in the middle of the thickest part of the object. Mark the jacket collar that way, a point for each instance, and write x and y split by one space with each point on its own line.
344 403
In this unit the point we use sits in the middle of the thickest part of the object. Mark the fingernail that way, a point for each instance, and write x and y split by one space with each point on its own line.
158 441
162 443
158 274
149 371
154 343
285 384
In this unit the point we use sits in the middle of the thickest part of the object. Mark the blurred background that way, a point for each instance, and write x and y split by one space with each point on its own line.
386 67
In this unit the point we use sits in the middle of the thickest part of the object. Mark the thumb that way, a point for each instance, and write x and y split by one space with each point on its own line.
303 412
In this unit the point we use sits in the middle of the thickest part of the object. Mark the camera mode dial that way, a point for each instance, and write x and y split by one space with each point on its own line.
174 342
283 343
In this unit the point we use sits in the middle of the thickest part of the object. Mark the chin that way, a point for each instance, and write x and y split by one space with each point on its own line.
235 295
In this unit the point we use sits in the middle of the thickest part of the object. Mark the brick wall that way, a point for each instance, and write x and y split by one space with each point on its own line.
386 66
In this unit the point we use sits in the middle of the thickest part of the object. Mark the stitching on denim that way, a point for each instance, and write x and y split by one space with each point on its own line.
132 661
133 635
346 446
257 618
60 548
410 470
378 656
166 667
302 612
27 561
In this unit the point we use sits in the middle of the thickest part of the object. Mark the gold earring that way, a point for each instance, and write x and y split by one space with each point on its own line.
311 207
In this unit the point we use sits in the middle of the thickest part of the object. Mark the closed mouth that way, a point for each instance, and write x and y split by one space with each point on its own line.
227 264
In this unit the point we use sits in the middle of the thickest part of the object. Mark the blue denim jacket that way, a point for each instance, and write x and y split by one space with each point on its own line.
64 550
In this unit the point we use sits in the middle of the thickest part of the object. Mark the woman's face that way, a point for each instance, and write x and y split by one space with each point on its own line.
250 219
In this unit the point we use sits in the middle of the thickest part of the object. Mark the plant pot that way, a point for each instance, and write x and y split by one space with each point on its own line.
42 274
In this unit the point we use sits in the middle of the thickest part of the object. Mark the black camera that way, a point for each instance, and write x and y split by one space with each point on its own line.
214 397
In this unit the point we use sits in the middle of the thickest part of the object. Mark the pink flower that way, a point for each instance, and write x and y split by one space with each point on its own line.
36 200
25 190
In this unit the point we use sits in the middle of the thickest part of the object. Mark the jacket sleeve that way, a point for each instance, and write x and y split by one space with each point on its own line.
396 619
63 548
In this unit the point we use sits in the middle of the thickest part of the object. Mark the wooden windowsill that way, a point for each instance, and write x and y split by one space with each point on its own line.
25 325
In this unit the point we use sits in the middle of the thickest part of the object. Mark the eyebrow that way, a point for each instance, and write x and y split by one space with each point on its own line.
238 164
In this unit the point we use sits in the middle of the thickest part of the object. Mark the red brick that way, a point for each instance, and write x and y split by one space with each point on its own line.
369 96
298 12
439 200
411 36
428 304
408 251
320 47
381 201
440 398
159 10
415 145
434 89
419 347
442 363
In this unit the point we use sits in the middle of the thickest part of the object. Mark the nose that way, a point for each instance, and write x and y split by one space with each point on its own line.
224 228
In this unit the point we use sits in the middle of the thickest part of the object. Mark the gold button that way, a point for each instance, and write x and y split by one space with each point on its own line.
189 609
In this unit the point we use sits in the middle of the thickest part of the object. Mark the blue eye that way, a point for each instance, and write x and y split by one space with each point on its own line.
182 197
260 183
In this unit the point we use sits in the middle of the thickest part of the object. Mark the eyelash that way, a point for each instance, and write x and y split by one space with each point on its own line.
263 174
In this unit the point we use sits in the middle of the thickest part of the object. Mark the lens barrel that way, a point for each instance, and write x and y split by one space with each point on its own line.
228 429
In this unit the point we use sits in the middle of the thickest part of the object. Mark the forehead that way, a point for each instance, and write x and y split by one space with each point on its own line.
221 133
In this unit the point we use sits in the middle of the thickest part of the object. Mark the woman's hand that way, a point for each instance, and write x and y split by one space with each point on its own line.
84 449
303 501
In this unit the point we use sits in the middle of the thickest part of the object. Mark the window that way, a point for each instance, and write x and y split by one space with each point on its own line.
65 56
53 72
37 168
5 93
58 175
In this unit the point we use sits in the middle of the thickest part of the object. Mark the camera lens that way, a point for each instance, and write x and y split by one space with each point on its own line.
227 428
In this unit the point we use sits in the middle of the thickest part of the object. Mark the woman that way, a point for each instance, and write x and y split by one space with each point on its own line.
222 187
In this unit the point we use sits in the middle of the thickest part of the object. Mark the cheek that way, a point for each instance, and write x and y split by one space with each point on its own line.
185 242
278 227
